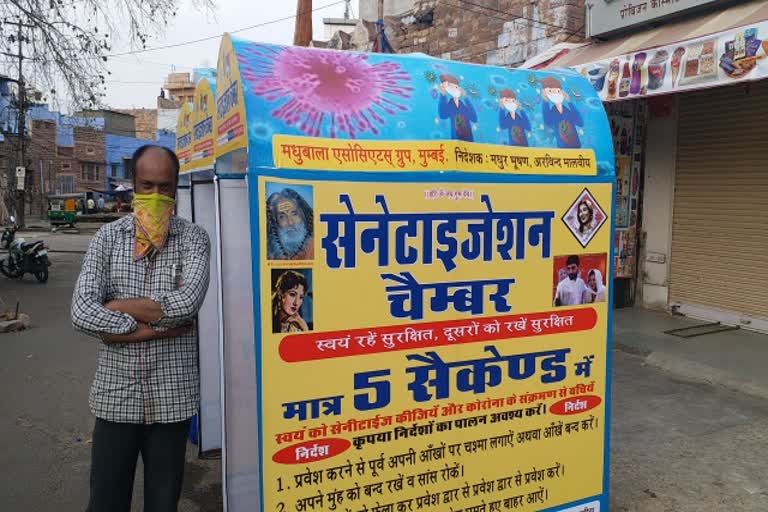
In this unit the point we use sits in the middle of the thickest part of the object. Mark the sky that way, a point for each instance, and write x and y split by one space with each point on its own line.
136 79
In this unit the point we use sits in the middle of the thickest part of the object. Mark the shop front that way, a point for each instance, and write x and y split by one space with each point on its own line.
684 101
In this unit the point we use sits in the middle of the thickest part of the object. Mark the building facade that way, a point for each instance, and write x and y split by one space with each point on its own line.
688 90
145 121
503 32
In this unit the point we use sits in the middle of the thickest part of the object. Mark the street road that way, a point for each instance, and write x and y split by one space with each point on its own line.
677 447
45 424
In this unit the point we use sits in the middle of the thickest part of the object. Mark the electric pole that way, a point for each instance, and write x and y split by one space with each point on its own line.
302 35
21 120
20 129
381 10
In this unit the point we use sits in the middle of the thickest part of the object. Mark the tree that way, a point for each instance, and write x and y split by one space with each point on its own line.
66 44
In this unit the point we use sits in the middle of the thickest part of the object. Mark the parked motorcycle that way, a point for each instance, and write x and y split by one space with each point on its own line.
23 257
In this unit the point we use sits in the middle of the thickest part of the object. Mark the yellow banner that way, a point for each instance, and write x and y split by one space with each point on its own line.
184 138
230 121
203 140
294 152
432 346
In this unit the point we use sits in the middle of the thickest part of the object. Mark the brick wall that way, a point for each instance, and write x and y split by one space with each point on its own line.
499 32
90 150
56 160
146 122
43 162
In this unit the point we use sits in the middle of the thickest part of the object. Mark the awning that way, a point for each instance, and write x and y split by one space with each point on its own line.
547 57
719 48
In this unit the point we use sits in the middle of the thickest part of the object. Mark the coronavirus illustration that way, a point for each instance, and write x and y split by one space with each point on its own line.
325 92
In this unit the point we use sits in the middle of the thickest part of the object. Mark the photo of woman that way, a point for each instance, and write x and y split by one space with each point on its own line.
291 311
584 218
595 287
578 279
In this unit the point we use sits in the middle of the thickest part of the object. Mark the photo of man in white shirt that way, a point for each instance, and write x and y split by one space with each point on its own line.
571 290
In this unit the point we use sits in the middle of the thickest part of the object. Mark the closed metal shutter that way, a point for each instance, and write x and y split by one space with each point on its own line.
720 221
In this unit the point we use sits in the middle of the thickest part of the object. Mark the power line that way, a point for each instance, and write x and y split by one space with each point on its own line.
506 17
486 52
128 82
143 62
195 41
514 16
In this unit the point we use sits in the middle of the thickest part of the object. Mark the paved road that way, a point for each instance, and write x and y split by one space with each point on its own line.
677 447
681 447
45 424
59 241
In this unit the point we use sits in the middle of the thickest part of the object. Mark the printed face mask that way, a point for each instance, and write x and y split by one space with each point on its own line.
454 91
152 217
557 98
510 105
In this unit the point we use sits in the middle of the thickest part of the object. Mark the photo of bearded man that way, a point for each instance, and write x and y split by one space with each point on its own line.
290 226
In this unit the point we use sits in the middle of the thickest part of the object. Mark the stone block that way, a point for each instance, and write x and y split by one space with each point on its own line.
19 324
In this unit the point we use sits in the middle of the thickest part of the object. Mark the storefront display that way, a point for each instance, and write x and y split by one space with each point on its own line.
627 121
720 59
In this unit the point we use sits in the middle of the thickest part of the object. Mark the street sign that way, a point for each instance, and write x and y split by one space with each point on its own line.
21 174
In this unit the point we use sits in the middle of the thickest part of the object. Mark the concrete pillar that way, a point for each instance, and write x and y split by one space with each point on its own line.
658 199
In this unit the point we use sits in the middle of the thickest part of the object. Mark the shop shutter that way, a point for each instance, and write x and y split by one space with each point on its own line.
720 221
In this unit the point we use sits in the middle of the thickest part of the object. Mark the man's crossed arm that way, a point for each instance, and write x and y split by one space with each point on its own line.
141 319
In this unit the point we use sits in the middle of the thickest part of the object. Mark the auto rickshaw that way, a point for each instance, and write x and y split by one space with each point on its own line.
64 209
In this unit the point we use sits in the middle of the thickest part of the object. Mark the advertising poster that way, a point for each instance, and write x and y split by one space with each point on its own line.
430 329
415 361
720 59
628 121
184 137
202 133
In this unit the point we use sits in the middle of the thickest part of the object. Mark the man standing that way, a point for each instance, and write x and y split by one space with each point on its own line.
512 118
143 280
91 205
570 291
453 104
101 204
290 227
559 114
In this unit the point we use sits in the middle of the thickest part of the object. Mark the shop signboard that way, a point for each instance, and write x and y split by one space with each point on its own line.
724 58
606 16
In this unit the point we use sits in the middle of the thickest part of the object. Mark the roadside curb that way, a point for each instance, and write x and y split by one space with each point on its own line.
694 372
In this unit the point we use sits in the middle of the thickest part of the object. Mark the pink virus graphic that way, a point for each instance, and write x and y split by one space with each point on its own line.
342 90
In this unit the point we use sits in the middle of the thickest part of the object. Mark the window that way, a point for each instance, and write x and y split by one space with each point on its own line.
90 172
128 168
65 151
66 166
66 183
89 150
114 170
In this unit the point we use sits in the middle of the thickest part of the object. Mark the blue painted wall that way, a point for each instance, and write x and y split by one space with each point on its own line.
117 148
120 147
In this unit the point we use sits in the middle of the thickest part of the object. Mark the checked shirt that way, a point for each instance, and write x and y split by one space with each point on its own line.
153 381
